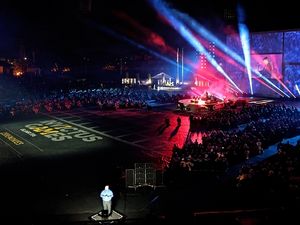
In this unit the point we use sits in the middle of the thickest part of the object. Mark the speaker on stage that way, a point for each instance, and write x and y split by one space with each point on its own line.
140 176
143 174
150 176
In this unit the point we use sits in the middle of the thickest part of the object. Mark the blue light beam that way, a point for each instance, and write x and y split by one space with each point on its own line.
245 40
163 9
202 31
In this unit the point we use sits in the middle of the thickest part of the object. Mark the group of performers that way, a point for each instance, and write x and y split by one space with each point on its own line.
206 97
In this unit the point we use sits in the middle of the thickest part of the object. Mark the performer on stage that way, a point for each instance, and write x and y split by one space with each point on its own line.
205 96
106 196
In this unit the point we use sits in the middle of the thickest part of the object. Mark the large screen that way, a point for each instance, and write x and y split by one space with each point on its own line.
275 55
267 42
291 47
292 78
268 65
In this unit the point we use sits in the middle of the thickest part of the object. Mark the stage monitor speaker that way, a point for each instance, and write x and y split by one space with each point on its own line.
140 176
150 176
130 177
144 174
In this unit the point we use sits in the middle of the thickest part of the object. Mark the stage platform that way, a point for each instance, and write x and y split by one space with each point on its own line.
196 105
115 217
199 105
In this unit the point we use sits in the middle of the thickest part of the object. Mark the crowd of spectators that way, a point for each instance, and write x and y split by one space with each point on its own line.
279 174
103 99
222 148
229 118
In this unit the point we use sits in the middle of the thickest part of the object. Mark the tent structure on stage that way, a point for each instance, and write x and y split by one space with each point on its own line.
163 79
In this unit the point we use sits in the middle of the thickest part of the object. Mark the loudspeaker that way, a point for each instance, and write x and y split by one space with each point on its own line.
140 176
150 176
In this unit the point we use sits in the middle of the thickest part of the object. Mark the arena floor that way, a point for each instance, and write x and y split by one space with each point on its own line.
57 163
54 165
146 131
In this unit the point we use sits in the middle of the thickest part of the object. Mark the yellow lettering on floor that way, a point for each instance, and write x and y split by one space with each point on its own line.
11 138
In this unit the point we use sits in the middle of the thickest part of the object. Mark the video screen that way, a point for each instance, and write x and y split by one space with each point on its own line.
292 78
267 43
291 49
268 65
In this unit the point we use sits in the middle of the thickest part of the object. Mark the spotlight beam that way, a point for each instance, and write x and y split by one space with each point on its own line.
286 88
256 78
202 31
297 88
131 42
162 8
245 40
121 37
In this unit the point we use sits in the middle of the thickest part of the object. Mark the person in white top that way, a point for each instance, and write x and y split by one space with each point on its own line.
106 196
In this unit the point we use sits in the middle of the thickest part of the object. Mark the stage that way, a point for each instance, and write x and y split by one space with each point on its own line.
197 105
114 217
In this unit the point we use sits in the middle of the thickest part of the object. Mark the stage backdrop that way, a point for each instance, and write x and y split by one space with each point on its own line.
276 55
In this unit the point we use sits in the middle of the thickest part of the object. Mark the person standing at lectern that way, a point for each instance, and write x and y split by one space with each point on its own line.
106 196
